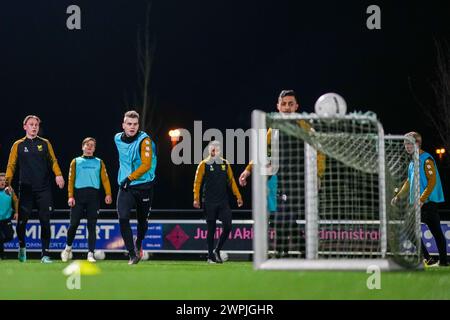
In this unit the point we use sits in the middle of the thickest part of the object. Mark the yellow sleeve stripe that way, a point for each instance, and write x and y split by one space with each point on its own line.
198 180
53 161
430 170
105 179
15 203
146 159
234 187
12 161
72 176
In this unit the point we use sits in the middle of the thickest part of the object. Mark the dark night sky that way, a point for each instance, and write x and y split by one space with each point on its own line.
215 61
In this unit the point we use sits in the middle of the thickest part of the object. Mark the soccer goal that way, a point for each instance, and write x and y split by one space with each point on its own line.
322 190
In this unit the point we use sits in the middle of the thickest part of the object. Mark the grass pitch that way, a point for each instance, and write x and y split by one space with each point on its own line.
187 280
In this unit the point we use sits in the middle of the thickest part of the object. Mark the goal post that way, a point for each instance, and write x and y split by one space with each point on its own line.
258 152
322 190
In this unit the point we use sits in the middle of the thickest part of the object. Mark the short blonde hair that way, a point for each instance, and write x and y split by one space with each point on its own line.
31 116
131 114
86 140
417 137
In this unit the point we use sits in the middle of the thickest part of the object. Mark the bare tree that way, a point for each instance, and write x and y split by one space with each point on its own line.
439 112
144 99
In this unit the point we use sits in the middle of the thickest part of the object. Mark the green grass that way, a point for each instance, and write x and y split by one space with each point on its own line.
197 280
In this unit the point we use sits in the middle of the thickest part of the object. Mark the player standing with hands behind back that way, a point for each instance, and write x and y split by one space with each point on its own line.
35 157
85 175
216 174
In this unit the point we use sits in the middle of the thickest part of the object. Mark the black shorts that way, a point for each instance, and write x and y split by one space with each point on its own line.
217 211
87 200
28 198
127 200
6 231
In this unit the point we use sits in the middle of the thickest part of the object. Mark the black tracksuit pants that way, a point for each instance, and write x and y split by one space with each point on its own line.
87 200
430 216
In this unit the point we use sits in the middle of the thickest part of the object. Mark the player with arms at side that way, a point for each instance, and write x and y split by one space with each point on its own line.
85 175
36 159
216 176
431 194
137 157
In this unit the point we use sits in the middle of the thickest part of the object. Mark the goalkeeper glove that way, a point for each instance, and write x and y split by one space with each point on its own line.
125 183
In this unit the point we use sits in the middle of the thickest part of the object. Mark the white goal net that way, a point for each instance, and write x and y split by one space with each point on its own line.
322 190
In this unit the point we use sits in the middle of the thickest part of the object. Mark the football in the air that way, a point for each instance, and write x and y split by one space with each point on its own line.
330 104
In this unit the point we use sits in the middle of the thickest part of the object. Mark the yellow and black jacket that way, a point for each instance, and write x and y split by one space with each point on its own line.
216 176
35 159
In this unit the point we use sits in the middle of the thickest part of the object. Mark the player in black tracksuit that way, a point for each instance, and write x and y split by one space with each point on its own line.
35 159
216 175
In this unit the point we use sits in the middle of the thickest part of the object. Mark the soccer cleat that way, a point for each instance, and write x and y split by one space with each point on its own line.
217 256
46 259
139 251
22 254
66 255
430 263
134 260
212 259
90 257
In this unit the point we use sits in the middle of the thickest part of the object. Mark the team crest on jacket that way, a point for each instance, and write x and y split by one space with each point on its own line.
211 168
223 167
40 148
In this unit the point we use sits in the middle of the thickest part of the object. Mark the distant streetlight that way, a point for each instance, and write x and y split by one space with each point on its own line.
174 135
440 152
